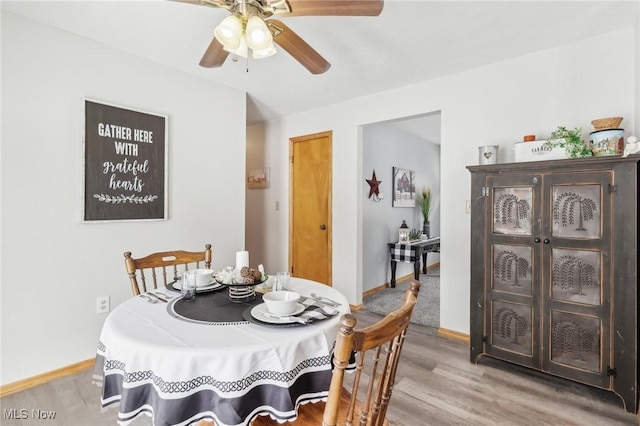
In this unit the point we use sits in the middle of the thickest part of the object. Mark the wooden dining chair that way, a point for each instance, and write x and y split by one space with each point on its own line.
377 350
163 267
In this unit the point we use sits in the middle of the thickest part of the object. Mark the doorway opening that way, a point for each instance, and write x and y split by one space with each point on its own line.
412 144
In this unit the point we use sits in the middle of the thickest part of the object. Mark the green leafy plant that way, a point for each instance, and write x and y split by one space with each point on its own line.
414 234
570 140
424 201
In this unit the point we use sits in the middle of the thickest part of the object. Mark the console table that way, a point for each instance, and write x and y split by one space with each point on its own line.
411 253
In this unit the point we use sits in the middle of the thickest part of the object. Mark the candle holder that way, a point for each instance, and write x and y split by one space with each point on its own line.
242 293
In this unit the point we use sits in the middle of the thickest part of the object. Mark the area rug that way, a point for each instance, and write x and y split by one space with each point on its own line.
427 310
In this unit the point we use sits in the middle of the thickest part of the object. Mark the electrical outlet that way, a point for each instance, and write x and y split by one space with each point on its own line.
467 206
102 305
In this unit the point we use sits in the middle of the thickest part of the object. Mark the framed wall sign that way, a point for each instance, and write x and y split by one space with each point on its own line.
404 190
125 164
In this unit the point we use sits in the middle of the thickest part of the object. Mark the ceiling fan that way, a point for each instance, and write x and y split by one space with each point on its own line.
249 27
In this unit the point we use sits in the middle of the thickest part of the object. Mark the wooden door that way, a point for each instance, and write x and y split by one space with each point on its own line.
310 207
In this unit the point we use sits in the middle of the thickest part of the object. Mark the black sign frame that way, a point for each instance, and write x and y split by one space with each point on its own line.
125 163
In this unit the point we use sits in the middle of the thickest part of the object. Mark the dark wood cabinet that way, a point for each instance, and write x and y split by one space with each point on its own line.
554 263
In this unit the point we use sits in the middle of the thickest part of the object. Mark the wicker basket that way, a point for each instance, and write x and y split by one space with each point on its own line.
607 123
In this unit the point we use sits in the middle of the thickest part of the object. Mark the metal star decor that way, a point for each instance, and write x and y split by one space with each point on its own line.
374 183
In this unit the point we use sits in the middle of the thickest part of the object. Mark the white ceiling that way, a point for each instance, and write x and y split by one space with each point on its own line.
411 41
424 126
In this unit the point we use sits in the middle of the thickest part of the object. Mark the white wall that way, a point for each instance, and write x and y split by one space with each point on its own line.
53 266
267 227
494 104
386 146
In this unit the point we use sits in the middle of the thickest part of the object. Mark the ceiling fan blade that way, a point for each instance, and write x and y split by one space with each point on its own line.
214 56
335 8
297 47
214 3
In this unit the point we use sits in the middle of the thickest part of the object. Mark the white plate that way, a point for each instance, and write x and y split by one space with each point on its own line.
260 313
211 286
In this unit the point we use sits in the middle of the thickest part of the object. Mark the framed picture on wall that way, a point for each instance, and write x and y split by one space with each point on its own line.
404 191
125 164
258 178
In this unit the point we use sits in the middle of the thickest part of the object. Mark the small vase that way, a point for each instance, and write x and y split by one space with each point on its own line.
426 229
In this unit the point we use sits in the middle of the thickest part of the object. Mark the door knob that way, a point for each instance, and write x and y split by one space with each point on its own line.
323 227
546 241
536 240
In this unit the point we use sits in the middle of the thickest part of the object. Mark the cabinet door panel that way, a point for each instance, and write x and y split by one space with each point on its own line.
575 341
512 268
512 210
577 276
511 327
512 320
576 211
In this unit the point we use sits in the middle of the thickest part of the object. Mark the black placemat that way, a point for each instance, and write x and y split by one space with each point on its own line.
211 308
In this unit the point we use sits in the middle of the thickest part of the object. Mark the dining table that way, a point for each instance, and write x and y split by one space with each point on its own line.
217 359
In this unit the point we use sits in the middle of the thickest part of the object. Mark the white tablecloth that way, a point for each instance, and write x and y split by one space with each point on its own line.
180 372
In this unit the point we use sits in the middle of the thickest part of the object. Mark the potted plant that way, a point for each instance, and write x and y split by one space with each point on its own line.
424 201
414 234
570 140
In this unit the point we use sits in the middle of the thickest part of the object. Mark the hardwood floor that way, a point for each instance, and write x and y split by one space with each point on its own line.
435 385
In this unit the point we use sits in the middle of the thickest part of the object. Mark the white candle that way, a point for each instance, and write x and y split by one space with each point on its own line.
242 259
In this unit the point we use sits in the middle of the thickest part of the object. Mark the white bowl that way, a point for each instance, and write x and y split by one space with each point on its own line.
281 302
203 277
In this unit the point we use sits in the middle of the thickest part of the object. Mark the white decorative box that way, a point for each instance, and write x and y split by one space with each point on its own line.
536 151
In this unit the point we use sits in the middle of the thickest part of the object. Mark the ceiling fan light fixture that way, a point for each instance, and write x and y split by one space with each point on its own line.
264 53
229 32
257 34
241 50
